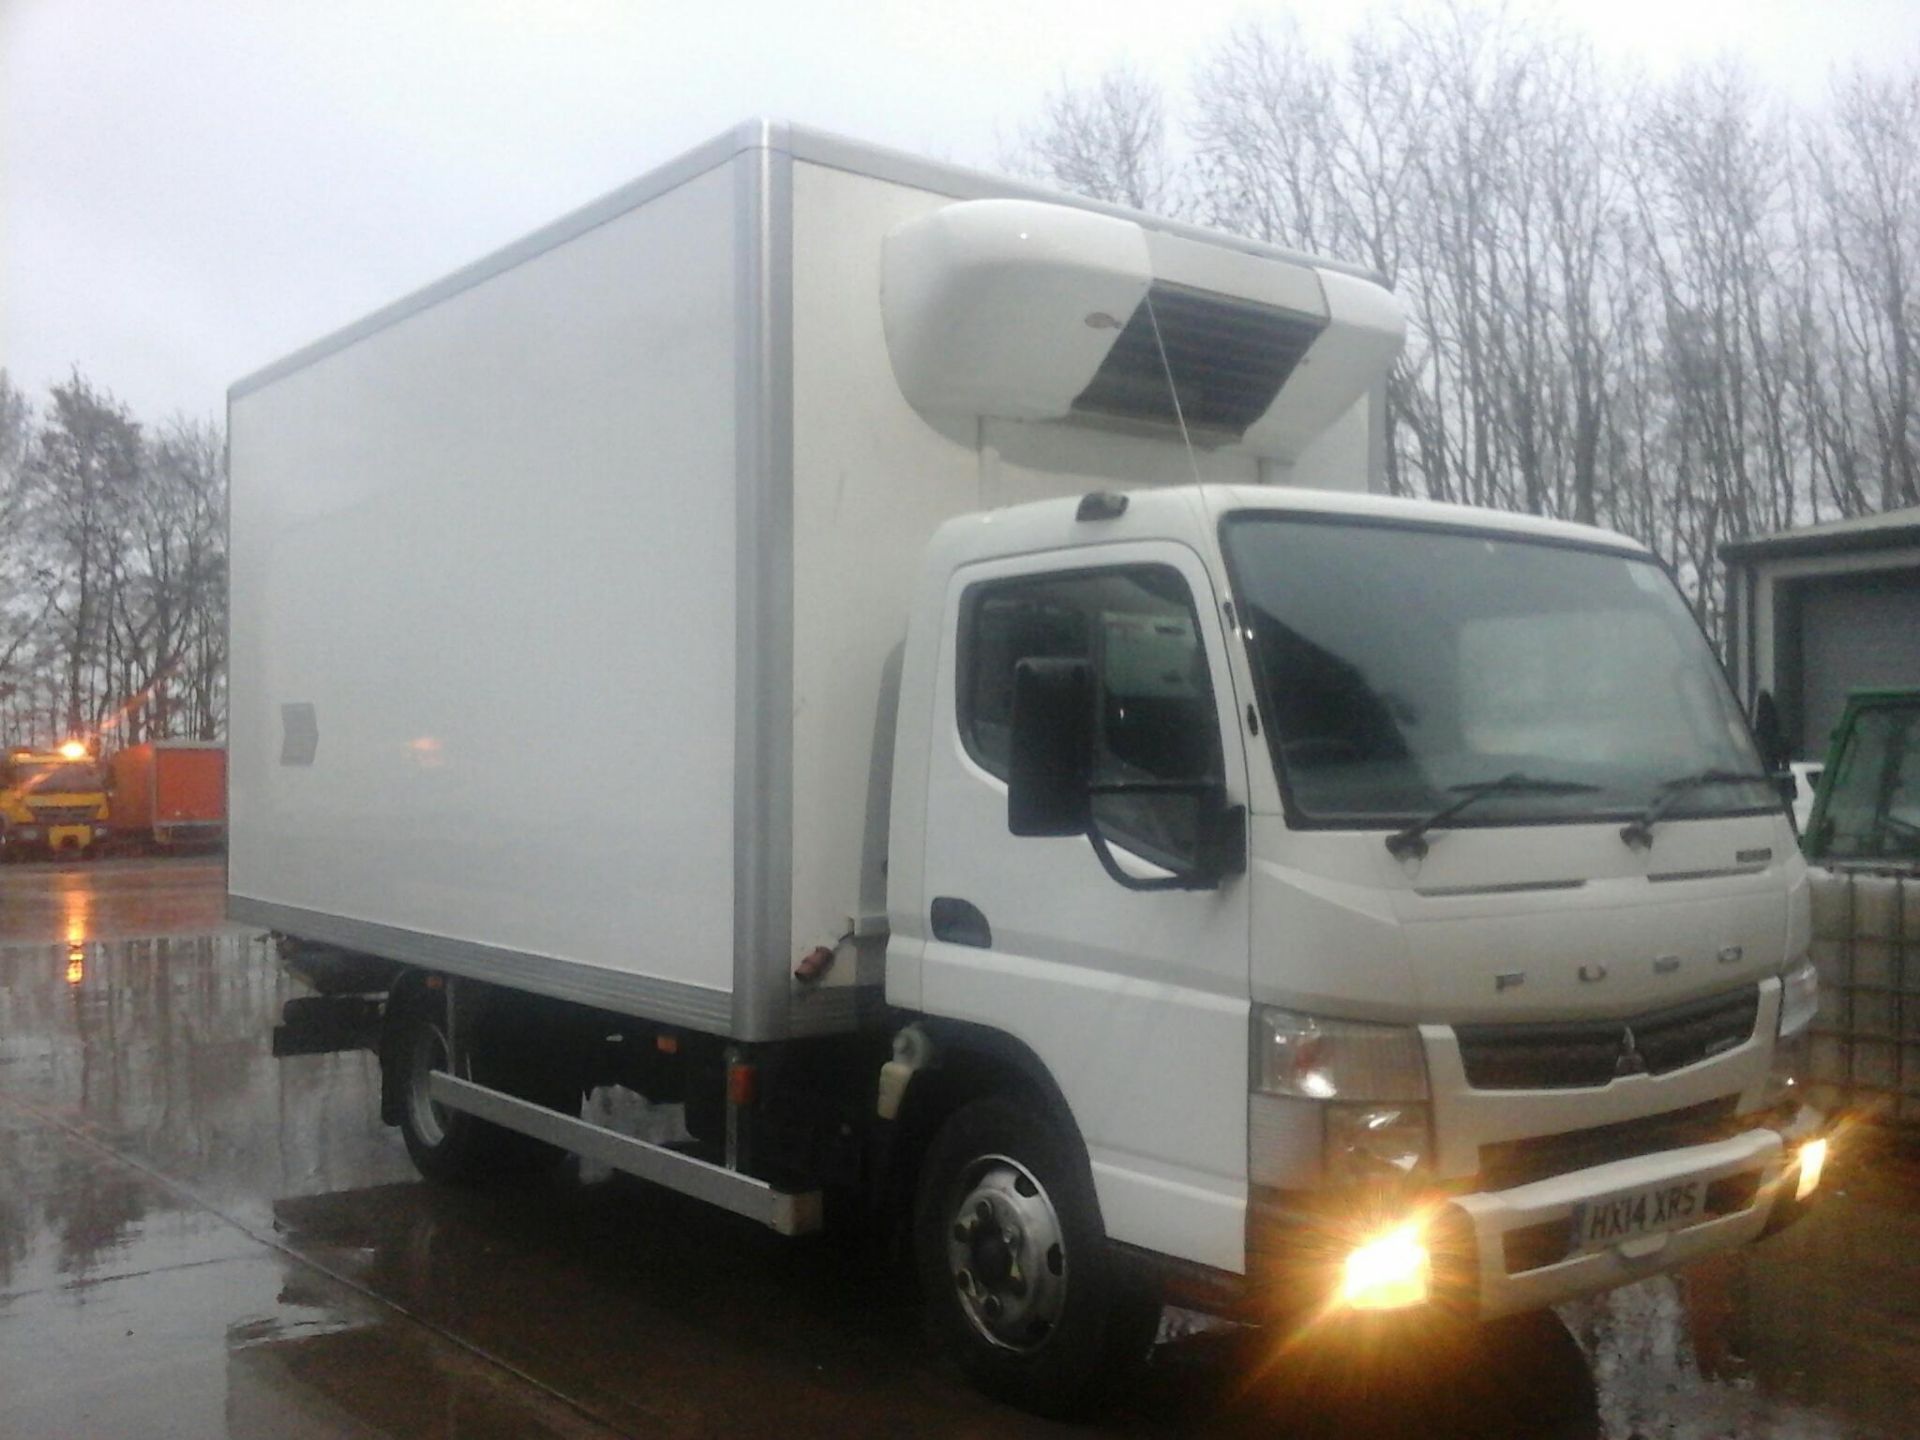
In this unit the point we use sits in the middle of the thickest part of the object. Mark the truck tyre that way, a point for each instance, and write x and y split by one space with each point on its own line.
1017 1277
451 1146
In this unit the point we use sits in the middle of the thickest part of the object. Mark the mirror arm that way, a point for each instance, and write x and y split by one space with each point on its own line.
1157 787
1178 880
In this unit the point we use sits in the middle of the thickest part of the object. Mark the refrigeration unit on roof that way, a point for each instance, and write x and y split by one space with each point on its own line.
1025 310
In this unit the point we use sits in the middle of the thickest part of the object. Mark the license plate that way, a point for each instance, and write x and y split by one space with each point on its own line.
1647 1211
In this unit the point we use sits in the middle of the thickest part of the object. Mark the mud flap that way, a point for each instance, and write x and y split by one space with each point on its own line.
325 1024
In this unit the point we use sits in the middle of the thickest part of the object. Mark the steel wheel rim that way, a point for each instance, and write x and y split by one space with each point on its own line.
429 1054
1007 1254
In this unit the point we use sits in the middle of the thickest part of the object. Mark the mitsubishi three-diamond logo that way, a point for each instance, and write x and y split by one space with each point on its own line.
1631 1061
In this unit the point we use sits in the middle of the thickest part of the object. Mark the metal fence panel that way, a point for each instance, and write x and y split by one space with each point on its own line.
1866 946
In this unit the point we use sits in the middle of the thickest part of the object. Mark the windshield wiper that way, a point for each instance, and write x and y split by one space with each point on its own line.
1411 843
1638 832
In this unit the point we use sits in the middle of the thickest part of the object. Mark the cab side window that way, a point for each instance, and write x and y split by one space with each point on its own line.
1136 625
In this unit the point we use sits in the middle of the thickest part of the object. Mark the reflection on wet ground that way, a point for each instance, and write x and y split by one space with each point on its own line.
196 1239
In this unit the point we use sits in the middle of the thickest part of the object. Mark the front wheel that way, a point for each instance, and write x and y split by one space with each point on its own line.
1014 1264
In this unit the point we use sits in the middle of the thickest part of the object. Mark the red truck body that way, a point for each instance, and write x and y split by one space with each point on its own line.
170 792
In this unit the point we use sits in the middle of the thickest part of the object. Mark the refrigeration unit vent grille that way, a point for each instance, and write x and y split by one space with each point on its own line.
1229 359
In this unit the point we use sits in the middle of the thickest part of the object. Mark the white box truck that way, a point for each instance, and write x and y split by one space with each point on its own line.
910 668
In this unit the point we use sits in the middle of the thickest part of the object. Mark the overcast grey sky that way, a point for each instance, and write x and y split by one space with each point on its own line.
191 188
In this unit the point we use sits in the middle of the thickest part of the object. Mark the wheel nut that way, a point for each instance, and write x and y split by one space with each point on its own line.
964 1279
983 1210
990 1307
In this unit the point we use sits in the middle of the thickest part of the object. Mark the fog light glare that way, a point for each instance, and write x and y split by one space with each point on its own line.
1813 1158
1388 1273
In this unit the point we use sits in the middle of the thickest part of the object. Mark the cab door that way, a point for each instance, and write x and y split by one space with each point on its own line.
1135 1001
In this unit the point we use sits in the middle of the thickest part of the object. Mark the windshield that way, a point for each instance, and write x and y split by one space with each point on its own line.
1395 663
48 778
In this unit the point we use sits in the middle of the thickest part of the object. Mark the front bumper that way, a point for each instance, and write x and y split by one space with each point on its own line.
44 840
190 832
19 839
1522 1257
1501 1252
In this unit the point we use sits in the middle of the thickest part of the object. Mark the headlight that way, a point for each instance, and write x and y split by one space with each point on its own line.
1336 1102
1318 1059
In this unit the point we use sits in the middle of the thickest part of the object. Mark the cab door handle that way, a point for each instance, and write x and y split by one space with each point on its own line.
959 922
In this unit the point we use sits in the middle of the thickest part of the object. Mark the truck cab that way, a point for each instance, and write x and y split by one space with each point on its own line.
52 803
1390 893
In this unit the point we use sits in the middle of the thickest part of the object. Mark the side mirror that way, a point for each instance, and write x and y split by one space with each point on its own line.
1766 729
1050 789
1222 838
1050 751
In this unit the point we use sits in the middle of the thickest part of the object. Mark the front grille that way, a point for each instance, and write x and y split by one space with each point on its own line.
1539 1157
1576 1054
63 814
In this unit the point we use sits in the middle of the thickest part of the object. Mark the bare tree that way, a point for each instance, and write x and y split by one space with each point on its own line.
188 654
115 572
1678 309
24 593
1294 149
1107 140
83 470
1264 133
1869 179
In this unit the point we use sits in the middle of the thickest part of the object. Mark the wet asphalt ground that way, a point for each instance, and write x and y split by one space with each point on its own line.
199 1240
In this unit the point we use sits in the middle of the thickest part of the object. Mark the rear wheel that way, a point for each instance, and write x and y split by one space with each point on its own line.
449 1145
1017 1275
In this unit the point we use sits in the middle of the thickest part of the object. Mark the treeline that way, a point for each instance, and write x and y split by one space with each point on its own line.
1686 310
112 571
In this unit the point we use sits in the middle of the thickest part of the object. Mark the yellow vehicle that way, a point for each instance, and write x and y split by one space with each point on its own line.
52 802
